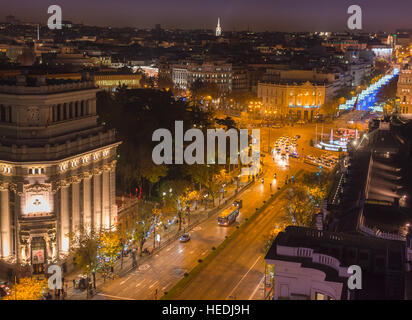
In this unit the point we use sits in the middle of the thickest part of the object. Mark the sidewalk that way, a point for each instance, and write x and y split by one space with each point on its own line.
167 236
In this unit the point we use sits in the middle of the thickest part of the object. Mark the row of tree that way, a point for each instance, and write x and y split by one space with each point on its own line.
302 201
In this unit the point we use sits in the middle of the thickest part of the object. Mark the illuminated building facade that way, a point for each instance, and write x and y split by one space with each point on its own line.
217 72
111 80
405 91
292 100
57 169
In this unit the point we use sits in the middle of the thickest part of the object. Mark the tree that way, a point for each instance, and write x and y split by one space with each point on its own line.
201 89
272 236
84 247
316 185
299 210
153 173
178 197
142 225
110 245
330 108
213 186
156 216
135 114
27 289
227 122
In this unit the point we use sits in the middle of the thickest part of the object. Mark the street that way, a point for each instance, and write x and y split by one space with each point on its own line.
238 270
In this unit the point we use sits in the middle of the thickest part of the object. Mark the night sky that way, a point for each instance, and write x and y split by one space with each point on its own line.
256 15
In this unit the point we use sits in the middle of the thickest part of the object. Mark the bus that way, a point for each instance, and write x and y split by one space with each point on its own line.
228 216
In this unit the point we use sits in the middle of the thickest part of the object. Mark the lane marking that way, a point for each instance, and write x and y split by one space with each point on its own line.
242 278
257 288
121 283
139 283
166 286
156 282
114 297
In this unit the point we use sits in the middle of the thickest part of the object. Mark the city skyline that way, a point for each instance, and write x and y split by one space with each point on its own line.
262 15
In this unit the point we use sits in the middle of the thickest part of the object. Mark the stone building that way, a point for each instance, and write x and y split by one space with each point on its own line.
57 168
295 99
405 91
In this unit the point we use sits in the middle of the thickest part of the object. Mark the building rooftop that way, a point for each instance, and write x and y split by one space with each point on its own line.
382 261
22 85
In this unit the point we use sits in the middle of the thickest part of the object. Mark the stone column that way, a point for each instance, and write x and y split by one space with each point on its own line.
65 219
113 212
106 198
97 196
92 104
5 232
87 214
75 206
61 116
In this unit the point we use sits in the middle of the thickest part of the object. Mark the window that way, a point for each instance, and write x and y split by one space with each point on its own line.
37 171
63 166
319 296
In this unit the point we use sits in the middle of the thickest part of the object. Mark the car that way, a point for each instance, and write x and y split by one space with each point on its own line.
238 203
184 237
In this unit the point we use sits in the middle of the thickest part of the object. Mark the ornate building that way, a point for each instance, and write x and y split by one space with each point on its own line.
405 91
57 168
292 99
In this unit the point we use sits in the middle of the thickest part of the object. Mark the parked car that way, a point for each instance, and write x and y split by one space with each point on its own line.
185 237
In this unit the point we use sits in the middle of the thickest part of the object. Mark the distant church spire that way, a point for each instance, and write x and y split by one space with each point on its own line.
218 28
